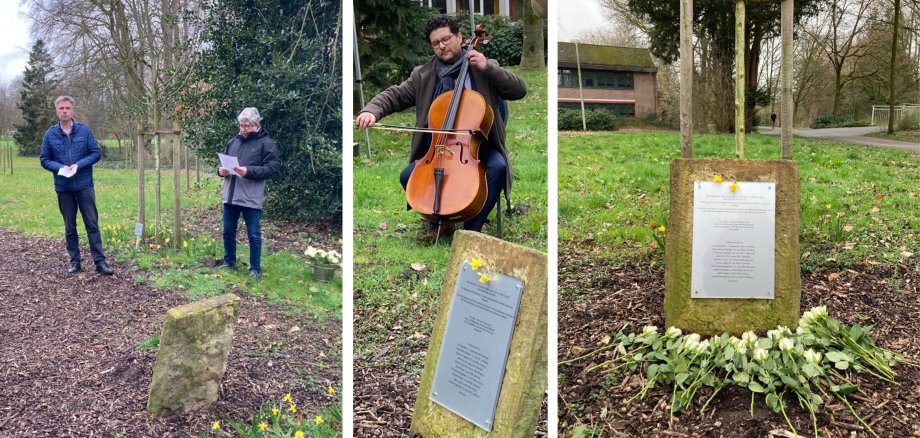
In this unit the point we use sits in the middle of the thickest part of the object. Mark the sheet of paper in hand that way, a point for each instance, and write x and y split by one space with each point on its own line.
229 162
67 171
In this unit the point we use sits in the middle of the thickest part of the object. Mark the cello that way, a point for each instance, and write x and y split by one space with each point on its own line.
448 184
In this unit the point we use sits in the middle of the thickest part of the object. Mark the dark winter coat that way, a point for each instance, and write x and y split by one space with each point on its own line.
259 155
60 150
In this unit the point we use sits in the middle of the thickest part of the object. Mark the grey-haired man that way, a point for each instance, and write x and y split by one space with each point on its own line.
243 195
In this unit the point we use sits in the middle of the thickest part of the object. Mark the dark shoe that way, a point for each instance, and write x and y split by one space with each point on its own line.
434 234
103 268
255 274
74 268
224 265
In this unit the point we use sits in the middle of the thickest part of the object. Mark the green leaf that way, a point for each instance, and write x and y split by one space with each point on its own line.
652 371
773 402
835 356
755 387
680 378
842 365
844 389
789 381
741 377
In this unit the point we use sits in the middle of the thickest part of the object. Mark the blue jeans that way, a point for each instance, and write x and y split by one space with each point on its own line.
495 165
251 216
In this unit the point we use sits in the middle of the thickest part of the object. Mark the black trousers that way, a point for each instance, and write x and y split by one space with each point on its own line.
84 201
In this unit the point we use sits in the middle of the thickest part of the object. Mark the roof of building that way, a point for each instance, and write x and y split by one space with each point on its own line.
606 57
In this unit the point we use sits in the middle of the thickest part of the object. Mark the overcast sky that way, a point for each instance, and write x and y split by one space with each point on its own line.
577 16
14 29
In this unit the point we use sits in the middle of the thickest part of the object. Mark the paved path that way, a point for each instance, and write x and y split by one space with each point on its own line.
849 135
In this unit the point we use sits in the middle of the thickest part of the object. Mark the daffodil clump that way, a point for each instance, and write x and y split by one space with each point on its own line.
809 365
321 257
122 238
286 419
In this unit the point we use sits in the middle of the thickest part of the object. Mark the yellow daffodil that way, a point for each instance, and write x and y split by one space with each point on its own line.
828 206
662 228
733 187
484 278
475 263
288 398
318 419
215 425
717 179
293 409
185 244
262 426
274 412
331 390
298 434
167 241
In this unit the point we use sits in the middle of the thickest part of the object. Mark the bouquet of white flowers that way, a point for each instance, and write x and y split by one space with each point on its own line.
320 257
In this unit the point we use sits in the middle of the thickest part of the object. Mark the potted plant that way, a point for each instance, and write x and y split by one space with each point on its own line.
324 263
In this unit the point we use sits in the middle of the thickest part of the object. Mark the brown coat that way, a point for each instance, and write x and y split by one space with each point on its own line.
493 83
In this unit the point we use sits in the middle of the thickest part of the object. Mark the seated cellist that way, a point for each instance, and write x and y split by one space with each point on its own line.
438 76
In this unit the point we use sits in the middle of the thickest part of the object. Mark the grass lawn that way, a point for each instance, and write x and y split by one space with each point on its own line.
393 302
912 136
30 205
858 203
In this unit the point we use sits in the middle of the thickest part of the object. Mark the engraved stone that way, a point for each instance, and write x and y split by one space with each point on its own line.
192 355
524 380
735 315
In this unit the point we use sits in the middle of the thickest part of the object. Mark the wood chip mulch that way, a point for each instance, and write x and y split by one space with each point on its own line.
596 298
70 363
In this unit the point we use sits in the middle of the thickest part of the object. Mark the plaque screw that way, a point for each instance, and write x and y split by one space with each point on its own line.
465 266
434 393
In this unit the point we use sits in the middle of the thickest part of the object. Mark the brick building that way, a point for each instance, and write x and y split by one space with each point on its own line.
621 79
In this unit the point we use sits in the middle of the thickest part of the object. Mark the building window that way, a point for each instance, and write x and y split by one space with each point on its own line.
596 79
622 110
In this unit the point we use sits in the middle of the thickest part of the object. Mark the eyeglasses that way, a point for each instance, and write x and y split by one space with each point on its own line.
444 41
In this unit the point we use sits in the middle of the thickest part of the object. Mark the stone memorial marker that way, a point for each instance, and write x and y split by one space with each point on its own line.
485 371
732 250
192 355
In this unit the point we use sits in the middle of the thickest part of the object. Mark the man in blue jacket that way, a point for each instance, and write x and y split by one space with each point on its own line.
69 151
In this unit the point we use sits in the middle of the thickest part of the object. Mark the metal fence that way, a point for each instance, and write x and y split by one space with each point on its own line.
880 113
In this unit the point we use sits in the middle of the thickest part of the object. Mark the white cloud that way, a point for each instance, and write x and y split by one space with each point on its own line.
14 31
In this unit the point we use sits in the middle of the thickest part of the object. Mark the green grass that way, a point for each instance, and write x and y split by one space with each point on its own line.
30 205
909 136
614 186
151 343
396 306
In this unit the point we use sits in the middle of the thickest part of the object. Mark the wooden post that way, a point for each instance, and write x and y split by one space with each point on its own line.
141 213
197 173
739 78
185 164
787 106
177 189
686 78
581 94
156 161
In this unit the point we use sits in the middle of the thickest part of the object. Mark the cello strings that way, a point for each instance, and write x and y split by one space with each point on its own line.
469 132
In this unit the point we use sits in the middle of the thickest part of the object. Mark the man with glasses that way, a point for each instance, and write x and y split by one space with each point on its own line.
69 151
244 187
437 76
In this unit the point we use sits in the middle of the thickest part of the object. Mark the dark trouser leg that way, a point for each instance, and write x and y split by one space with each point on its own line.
496 167
67 203
405 174
252 217
86 198
231 218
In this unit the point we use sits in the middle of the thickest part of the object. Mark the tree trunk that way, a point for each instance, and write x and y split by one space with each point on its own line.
532 52
894 58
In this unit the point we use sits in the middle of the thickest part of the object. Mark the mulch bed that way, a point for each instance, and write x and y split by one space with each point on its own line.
70 365
596 298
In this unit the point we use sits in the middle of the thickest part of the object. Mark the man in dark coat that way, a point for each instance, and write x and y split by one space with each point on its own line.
69 151
244 187
437 76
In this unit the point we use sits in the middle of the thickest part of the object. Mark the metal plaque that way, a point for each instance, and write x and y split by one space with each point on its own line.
474 349
138 229
733 240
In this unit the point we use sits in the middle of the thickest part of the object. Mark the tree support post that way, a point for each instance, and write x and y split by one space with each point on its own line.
686 78
787 107
739 79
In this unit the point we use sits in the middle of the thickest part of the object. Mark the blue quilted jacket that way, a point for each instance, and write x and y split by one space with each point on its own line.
59 150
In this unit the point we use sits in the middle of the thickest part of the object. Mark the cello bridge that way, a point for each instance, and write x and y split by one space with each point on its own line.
443 149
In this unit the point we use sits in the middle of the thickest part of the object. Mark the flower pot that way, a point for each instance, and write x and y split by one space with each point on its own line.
324 273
